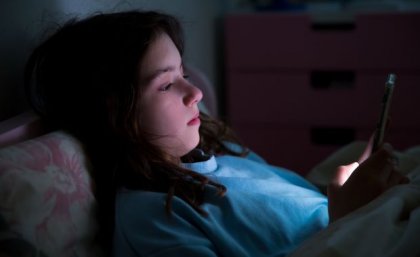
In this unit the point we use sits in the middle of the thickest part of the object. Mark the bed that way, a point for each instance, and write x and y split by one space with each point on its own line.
47 205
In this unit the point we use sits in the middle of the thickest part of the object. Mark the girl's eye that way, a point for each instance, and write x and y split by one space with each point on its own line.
166 88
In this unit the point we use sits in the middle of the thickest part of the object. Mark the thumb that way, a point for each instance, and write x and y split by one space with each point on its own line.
368 149
342 174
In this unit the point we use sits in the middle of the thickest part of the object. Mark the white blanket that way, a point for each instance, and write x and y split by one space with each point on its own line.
388 226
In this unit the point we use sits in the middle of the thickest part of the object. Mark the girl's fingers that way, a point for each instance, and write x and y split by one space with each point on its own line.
343 173
387 174
382 161
393 179
396 178
367 152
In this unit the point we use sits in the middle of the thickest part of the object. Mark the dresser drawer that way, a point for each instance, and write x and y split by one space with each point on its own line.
291 148
300 149
289 98
272 41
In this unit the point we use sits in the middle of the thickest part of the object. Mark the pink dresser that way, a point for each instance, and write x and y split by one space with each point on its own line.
298 90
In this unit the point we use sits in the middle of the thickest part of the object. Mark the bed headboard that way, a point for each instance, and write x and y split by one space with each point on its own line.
25 126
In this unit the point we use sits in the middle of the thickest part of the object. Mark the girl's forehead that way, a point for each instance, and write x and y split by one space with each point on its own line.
161 56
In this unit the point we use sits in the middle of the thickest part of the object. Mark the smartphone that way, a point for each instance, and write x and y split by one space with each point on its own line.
383 118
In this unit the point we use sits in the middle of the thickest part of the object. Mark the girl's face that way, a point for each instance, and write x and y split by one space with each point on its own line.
168 104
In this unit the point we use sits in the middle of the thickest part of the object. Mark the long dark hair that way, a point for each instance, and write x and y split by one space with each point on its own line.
83 80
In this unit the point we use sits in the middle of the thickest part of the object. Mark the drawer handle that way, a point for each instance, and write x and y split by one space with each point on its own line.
339 26
332 79
332 136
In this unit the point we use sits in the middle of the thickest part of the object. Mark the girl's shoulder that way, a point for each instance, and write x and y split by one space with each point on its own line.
251 154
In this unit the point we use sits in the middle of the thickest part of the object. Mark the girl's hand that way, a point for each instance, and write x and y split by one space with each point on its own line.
368 150
356 185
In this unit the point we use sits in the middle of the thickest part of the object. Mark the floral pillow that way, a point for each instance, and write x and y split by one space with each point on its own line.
46 199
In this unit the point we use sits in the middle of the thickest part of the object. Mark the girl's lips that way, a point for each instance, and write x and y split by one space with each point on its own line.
194 121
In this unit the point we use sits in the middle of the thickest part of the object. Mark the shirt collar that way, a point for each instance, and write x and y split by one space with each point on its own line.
203 167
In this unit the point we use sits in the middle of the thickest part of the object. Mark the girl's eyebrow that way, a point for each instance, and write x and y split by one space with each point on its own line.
160 71
157 73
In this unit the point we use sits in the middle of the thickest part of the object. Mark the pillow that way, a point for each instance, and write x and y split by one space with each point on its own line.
45 196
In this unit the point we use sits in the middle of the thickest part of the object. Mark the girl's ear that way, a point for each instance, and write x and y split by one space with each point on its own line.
209 103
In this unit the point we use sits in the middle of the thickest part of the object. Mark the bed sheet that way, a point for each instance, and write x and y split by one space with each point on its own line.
388 226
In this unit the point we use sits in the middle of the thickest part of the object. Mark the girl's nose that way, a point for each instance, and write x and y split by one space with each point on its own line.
193 95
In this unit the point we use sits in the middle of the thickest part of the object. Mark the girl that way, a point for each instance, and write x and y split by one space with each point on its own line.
170 180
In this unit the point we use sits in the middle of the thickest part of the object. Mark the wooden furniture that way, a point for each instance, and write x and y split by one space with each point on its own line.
298 90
